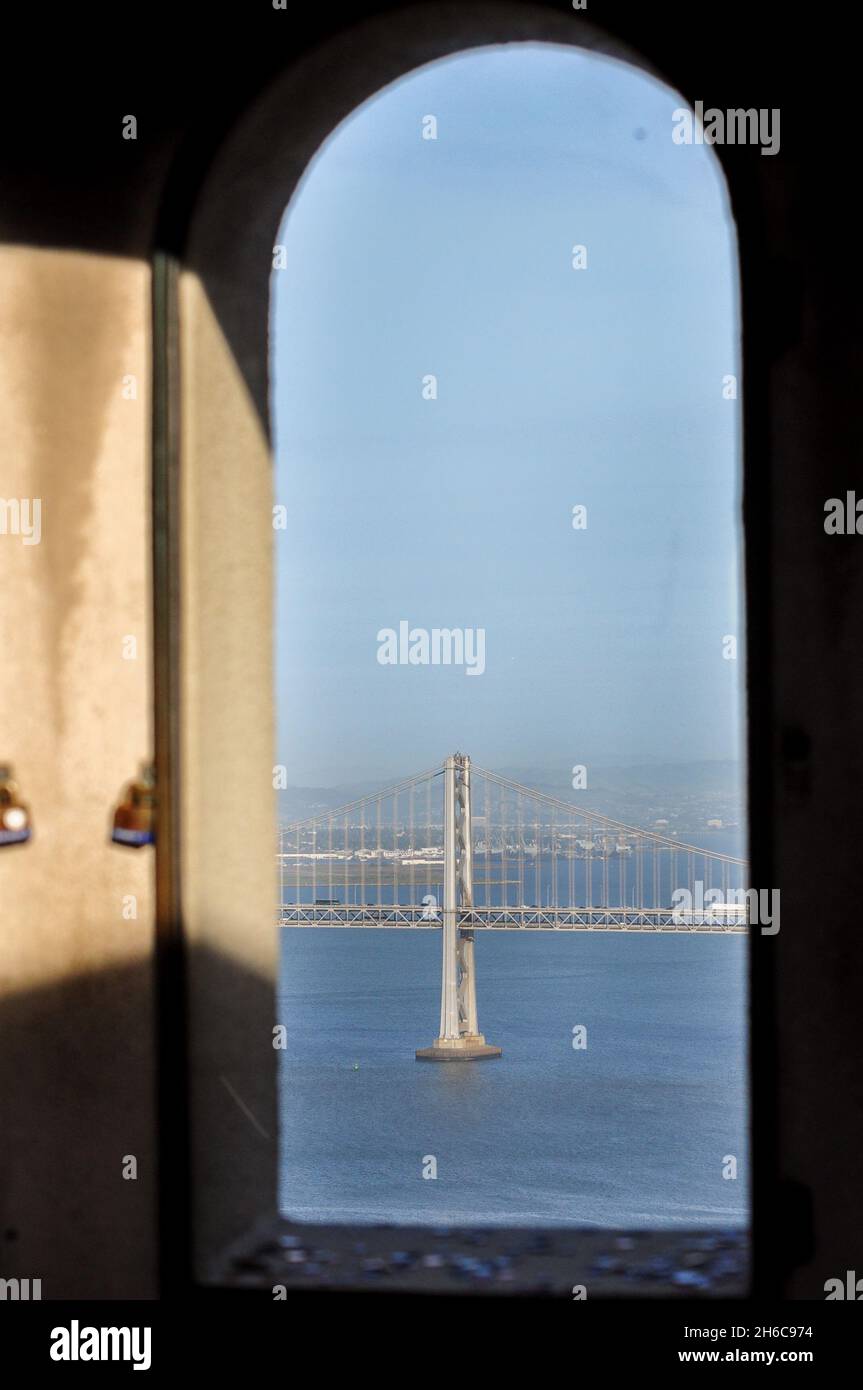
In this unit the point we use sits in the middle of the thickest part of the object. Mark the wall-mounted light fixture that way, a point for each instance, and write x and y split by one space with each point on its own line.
134 819
15 826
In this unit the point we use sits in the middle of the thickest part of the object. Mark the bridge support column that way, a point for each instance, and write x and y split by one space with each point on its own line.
460 1039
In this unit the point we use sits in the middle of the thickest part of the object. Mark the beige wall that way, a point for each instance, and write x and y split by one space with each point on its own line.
76 1063
229 885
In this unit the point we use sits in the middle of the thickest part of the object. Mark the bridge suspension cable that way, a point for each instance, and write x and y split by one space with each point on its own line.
375 851
536 861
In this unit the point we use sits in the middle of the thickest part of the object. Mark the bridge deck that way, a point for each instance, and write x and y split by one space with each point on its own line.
417 918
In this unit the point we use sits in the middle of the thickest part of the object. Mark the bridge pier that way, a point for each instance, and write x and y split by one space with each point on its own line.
459 1050
459 1039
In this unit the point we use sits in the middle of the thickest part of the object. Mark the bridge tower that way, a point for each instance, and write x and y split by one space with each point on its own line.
459 1039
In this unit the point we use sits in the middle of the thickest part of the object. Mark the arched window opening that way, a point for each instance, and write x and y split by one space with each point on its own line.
509 658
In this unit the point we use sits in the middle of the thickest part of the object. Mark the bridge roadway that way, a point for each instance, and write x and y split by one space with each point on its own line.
418 918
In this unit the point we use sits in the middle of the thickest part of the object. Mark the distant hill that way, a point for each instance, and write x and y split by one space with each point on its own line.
617 790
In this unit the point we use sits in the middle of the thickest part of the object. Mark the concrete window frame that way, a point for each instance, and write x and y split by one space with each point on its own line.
213 636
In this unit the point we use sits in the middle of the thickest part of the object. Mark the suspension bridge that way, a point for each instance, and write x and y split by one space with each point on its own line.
459 849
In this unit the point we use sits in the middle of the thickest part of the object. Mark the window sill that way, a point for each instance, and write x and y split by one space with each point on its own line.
705 1263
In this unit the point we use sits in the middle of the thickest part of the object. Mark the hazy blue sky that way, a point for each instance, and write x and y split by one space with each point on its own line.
556 387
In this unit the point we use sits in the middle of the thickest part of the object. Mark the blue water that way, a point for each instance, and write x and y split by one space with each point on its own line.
632 1131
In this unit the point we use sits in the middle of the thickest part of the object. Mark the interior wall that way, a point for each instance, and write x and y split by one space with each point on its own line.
228 801
76 912
75 1060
